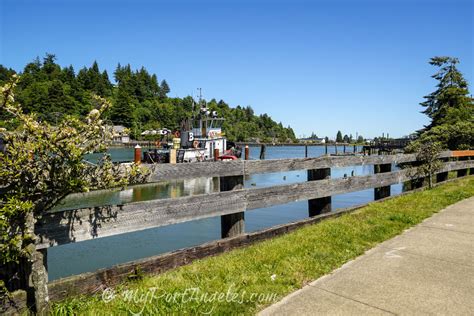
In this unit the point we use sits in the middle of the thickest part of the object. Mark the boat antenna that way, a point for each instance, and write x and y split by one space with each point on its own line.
200 97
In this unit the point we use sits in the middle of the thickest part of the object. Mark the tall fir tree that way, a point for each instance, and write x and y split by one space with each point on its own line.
164 89
450 101
122 109
339 138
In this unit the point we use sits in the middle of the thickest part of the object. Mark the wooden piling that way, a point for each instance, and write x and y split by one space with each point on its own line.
355 149
344 148
306 151
319 205
233 224
40 281
462 172
262 152
137 155
247 152
382 192
34 280
335 147
173 156
442 176
216 154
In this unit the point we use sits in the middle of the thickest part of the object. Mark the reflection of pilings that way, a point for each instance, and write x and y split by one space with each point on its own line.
199 186
262 151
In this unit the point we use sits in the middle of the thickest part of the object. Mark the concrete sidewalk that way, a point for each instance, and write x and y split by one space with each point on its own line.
429 269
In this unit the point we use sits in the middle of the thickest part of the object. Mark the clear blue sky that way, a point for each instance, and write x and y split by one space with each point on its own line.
358 66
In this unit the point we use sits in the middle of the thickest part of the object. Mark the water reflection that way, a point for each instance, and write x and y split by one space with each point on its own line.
143 192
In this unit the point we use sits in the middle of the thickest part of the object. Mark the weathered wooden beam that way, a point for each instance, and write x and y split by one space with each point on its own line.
160 172
462 153
323 204
280 165
89 223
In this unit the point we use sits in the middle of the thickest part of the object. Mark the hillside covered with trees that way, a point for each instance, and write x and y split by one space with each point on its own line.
139 100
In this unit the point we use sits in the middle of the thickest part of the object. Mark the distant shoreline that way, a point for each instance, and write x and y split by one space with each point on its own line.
251 144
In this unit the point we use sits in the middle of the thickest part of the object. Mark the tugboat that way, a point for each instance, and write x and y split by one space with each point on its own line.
200 136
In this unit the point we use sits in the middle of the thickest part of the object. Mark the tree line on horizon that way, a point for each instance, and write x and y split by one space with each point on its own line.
348 139
139 100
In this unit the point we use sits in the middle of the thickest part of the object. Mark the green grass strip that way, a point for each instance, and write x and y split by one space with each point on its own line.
246 280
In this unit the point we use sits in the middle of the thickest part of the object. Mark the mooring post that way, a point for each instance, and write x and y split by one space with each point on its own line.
137 155
382 192
262 152
232 224
326 145
319 205
216 154
462 172
335 146
306 151
355 149
247 152
344 148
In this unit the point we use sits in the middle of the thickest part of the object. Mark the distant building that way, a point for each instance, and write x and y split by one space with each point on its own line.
120 134
310 140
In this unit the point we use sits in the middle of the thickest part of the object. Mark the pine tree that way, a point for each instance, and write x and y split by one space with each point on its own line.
451 99
339 137
164 89
122 109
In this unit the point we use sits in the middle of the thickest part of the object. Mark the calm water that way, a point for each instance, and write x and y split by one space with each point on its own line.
91 255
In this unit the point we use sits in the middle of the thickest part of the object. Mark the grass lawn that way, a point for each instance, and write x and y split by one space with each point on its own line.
246 280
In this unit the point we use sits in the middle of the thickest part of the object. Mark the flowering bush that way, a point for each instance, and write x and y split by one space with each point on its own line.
42 164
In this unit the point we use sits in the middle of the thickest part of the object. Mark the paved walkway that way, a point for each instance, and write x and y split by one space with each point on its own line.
429 269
